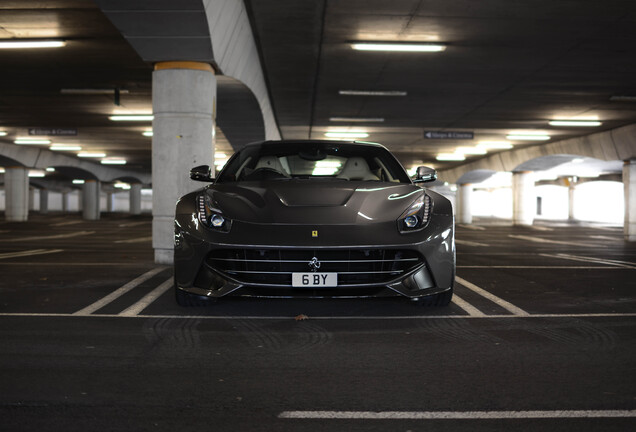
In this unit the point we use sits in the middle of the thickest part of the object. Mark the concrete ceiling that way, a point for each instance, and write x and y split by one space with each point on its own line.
509 65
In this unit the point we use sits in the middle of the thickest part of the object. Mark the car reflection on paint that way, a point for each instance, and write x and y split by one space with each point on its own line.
314 219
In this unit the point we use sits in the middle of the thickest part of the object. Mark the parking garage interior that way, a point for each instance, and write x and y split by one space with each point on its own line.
526 110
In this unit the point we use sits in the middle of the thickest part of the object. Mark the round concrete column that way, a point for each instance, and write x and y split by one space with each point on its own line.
44 201
464 197
90 200
571 188
135 198
183 103
66 198
16 190
629 185
523 199
110 198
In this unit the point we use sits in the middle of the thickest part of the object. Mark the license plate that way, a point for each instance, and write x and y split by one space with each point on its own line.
312 280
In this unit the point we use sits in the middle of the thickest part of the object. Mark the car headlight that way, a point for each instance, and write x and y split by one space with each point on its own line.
417 215
211 216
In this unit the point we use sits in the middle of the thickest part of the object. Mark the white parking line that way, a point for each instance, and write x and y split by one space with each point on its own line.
136 240
455 415
29 253
548 241
470 309
499 301
622 264
147 299
472 227
540 228
52 237
119 292
130 224
67 223
470 243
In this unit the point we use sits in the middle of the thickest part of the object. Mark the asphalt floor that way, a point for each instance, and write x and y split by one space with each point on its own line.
541 335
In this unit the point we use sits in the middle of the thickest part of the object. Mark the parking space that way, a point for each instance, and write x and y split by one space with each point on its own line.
541 335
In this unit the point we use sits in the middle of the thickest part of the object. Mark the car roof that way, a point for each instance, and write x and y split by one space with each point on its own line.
300 141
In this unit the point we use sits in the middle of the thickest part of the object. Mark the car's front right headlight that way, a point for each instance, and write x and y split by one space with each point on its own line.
417 215
211 216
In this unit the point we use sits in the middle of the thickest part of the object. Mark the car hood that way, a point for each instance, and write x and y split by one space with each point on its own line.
313 201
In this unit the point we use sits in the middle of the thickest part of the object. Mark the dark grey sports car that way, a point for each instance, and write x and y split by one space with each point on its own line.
314 219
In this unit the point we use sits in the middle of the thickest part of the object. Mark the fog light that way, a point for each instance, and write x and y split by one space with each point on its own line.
410 221
217 220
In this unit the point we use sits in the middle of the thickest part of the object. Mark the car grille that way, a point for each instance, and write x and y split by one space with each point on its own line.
274 267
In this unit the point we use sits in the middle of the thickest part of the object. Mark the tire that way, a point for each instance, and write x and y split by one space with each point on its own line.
438 300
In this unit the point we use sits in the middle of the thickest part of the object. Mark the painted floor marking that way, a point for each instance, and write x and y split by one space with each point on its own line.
29 253
472 227
57 236
542 240
470 243
119 292
147 299
321 318
540 228
456 415
602 237
67 223
622 264
136 240
130 224
467 307
493 298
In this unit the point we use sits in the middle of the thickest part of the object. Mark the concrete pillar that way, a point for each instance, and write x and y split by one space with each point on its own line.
16 194
110 201
66 198
523 198
31 199
44 201
571 187
135 198
464 209
629 185
183 102
90 200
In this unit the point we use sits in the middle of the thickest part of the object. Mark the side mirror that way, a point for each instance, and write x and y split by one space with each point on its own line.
201 173
424 174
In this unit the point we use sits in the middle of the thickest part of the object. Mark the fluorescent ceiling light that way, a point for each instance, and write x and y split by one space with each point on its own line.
36 173
494 145
135 117
471 150
583 123
1 170
147 133
623 98
50 169
220 155
3 133
328 164
21 43
396 46
528 137
113 161
91 154
357 119
372 93
346 134
450 157
89 91
78 181
65 147
31 141
120 185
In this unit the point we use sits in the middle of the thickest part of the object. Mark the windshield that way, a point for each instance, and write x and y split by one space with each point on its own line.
313 160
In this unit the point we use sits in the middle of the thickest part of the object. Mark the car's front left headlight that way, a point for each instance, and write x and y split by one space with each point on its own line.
417 215
210 216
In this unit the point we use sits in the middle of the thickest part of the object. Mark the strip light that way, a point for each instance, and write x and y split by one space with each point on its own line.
28 141
3 133
91 154
113 161
582 123
19 44
65 147
357 119
450 157
402 47
144 117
